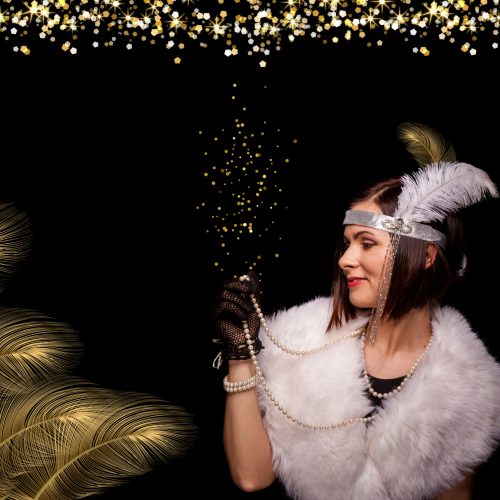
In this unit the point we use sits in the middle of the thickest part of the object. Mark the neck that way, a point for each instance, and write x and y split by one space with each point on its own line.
406 335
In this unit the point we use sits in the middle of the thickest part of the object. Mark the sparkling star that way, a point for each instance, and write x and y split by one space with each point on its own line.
370 18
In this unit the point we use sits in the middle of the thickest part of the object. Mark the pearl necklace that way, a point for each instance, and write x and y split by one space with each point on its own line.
399 387
259 378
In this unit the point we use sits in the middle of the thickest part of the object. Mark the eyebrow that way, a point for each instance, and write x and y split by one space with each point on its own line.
358 233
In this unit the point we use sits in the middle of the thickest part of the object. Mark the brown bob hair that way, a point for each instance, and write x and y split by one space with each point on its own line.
411 285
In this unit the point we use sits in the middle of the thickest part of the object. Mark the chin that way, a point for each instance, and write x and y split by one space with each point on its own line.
361 304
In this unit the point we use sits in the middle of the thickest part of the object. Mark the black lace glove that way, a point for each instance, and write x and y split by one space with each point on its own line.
230 309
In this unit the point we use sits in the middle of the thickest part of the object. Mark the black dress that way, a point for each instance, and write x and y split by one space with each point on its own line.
277 490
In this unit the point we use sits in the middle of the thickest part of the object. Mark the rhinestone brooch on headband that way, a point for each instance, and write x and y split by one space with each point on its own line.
399 225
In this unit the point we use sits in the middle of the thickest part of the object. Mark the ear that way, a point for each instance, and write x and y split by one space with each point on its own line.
431 255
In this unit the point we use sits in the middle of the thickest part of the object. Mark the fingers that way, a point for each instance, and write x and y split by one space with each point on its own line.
235 298
253 287
254 281
230 301
238 286
253 277
224 308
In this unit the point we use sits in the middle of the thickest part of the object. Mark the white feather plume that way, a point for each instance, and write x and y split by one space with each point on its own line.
440 189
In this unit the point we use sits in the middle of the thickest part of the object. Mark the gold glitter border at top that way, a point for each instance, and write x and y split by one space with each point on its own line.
171 19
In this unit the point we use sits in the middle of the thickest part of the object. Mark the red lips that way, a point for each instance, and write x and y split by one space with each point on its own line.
355 282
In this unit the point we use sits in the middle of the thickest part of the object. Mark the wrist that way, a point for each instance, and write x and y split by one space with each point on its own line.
240 370
240 362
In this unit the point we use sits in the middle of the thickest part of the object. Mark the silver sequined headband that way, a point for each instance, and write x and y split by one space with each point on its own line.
394 224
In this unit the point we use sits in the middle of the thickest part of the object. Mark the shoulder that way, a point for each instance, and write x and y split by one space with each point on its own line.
454 335
461 365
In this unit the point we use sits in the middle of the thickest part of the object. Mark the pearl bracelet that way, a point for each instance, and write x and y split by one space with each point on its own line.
240 386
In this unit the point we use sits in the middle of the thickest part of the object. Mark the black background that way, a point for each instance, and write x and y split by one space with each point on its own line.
104 153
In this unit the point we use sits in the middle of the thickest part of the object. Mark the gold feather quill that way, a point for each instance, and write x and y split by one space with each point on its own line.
62 437
425 144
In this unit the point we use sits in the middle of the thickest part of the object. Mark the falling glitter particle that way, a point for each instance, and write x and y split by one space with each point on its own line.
241 147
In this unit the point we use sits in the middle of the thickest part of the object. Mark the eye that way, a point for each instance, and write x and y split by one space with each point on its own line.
366 246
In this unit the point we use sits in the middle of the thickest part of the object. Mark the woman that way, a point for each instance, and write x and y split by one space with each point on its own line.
409 416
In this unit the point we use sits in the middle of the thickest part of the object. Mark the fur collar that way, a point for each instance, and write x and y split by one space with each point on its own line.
425 439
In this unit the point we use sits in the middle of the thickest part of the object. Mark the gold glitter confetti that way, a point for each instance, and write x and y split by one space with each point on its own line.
345 20
249 194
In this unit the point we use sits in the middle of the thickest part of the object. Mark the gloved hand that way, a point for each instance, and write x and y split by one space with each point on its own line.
230 309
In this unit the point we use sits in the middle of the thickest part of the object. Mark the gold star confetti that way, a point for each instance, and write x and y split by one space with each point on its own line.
381 3
32 10
371 19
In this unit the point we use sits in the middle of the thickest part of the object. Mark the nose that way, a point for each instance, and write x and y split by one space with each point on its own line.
348 259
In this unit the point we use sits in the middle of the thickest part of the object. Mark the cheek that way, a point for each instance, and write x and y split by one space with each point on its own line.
375 262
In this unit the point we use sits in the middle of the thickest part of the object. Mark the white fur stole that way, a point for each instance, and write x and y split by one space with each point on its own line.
424 440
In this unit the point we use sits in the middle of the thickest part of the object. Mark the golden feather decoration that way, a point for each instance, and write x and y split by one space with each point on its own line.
40 409
33 345
62 437
425 144
15 237
63 441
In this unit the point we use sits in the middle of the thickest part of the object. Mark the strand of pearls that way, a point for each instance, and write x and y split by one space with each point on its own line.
343 423
279 344
399 387
258 377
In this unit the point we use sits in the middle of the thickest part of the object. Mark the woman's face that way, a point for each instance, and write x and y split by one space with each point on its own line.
364 254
